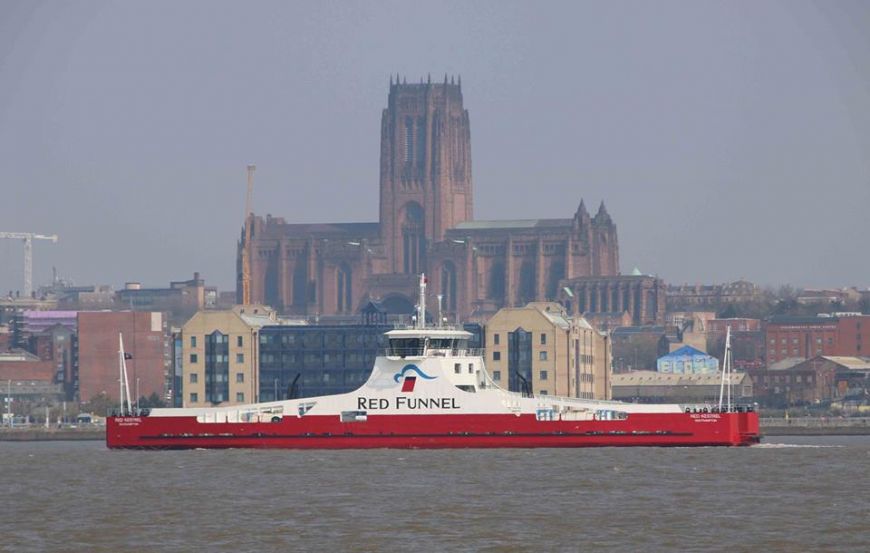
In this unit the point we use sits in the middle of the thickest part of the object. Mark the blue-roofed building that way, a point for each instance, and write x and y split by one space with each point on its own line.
687 360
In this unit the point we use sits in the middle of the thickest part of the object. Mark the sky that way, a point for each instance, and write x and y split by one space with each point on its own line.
728 139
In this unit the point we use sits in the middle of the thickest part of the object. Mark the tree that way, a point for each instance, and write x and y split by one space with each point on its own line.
151 401
100 405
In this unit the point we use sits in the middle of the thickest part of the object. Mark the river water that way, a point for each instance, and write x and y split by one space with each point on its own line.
788 494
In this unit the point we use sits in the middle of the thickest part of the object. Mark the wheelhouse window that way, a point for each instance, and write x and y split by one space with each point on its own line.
406 347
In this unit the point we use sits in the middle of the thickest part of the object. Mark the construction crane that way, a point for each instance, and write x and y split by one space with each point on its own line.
28 238
246 241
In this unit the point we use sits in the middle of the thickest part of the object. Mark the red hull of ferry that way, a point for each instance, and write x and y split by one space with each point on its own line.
435 431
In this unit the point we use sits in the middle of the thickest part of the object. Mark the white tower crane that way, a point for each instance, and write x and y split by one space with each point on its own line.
28 238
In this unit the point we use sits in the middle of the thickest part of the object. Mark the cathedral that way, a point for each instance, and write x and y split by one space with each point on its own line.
426 225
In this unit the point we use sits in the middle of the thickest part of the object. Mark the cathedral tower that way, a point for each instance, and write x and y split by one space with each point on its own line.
425 169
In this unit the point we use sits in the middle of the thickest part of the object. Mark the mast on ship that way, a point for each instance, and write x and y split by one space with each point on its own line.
124 383
726 372
421 305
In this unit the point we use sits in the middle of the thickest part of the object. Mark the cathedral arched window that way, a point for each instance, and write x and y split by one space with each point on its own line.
413 238
420 154
448 285
300 284
495 289
557 273
344 285
409 141
527 282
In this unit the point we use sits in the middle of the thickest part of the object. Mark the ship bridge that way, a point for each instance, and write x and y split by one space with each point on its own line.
448 347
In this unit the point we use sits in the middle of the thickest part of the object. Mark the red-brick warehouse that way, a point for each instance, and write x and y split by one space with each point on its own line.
426 224
806 337
145 339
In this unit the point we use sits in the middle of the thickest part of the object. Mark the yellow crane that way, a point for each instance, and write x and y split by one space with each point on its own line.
246 241
28 238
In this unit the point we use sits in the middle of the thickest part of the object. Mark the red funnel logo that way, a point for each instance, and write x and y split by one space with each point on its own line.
408 384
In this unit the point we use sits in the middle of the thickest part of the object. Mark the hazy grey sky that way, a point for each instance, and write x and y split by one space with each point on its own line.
728 139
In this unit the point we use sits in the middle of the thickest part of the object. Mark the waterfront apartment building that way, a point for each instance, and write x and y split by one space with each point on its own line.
307 361
219 356
540 349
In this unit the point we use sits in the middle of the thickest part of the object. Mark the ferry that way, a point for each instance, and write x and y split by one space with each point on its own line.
429 389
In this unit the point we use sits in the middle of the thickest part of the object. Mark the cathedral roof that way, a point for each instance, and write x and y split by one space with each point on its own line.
327 230
514 224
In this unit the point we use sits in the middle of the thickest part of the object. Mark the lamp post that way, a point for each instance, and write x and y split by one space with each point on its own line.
9 402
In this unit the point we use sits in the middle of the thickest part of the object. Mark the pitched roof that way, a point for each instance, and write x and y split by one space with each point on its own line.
684 351
855 363
653 378
786 363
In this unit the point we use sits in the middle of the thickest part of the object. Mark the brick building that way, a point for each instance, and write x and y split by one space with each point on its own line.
806 337
426 224
180 300
747 341
638 347
806 382
145 338
711 296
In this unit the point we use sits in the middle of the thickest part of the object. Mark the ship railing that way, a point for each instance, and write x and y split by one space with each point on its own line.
406 326
124 412
432 352
714 408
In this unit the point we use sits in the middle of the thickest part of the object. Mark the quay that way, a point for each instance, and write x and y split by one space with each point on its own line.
815 426
41 434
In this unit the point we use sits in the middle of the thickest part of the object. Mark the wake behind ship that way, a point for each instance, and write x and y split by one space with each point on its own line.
430 390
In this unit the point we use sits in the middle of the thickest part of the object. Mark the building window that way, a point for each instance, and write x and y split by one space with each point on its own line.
496 356
193 341
543 392
239 341
543 339
240 397
496 375
542 356
471 368
457 368
240 358
495 339
216 367
543 375
194 397
240 377
194 378
193 358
